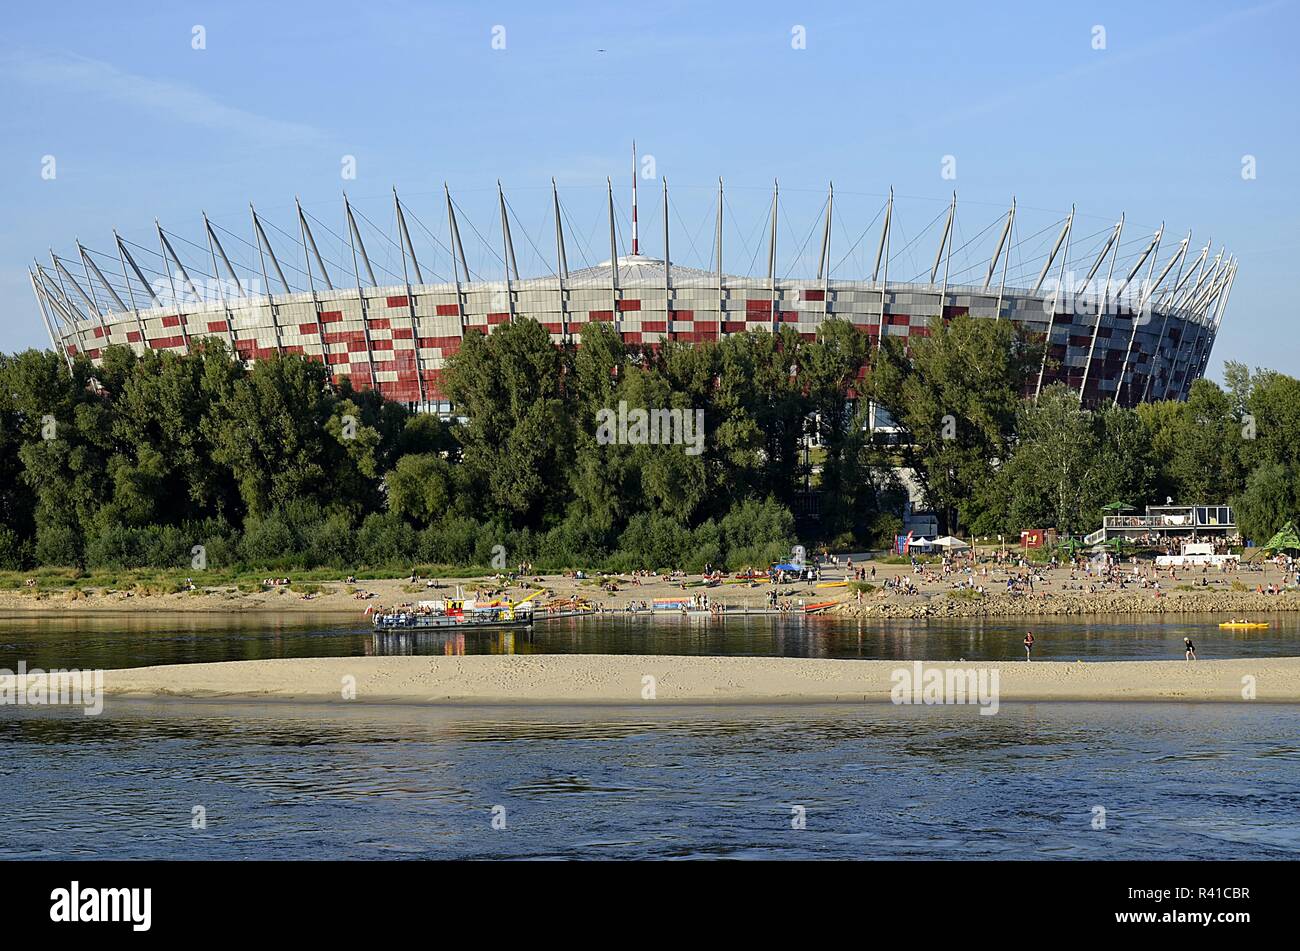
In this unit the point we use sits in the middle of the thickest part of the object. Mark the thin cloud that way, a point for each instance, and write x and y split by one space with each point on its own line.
159 98
1023 91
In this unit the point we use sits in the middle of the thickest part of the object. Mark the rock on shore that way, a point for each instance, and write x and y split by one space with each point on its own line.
1230 604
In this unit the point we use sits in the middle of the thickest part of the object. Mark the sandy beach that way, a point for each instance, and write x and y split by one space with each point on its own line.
1231 593
622 679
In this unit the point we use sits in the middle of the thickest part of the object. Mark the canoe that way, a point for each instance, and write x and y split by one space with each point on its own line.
1243 625
832 584
819 606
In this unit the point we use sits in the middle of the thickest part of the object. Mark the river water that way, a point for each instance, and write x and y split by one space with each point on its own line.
285 780
113 640
869 781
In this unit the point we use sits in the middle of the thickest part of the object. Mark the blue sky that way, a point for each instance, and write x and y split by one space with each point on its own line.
1156 125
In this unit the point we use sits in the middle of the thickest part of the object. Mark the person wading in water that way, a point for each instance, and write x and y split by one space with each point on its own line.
1029 644
1189 649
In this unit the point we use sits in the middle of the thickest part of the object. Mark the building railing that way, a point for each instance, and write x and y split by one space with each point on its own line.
1161 521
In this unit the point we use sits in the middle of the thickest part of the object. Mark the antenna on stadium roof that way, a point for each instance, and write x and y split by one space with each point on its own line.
636 245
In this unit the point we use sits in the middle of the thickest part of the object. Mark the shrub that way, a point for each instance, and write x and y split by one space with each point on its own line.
59 545
15 552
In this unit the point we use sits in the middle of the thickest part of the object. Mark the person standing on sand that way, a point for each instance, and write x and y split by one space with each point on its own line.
1189 652
1029 645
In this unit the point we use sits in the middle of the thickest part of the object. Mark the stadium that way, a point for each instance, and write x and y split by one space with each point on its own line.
1125 319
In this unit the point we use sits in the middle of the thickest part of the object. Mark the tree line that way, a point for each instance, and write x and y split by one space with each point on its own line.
136 462
995 457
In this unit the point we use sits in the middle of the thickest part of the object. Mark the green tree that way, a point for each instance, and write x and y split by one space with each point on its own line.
518 443
956 394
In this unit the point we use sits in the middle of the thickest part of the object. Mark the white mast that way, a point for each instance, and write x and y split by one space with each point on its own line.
636 244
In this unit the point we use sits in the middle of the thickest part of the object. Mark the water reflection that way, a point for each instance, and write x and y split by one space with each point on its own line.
134 640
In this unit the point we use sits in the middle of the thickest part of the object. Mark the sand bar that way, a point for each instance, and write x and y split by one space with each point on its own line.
620 679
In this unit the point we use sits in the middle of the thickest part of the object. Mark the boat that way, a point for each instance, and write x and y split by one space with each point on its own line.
671 604
1243 625
457 613
833 584
819 606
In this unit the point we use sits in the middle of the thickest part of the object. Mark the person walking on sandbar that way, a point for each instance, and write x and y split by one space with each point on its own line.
1029 644
1189 649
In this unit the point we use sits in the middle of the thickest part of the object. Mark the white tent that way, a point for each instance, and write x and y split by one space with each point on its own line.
920 543
950 543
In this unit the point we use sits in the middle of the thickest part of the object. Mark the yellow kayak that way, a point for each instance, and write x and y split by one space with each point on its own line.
833 584
1243 625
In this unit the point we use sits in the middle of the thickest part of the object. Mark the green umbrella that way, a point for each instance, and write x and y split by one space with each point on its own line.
1118 507
1287 539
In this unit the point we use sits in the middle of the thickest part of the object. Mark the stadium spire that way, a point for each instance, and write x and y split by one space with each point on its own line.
636 244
